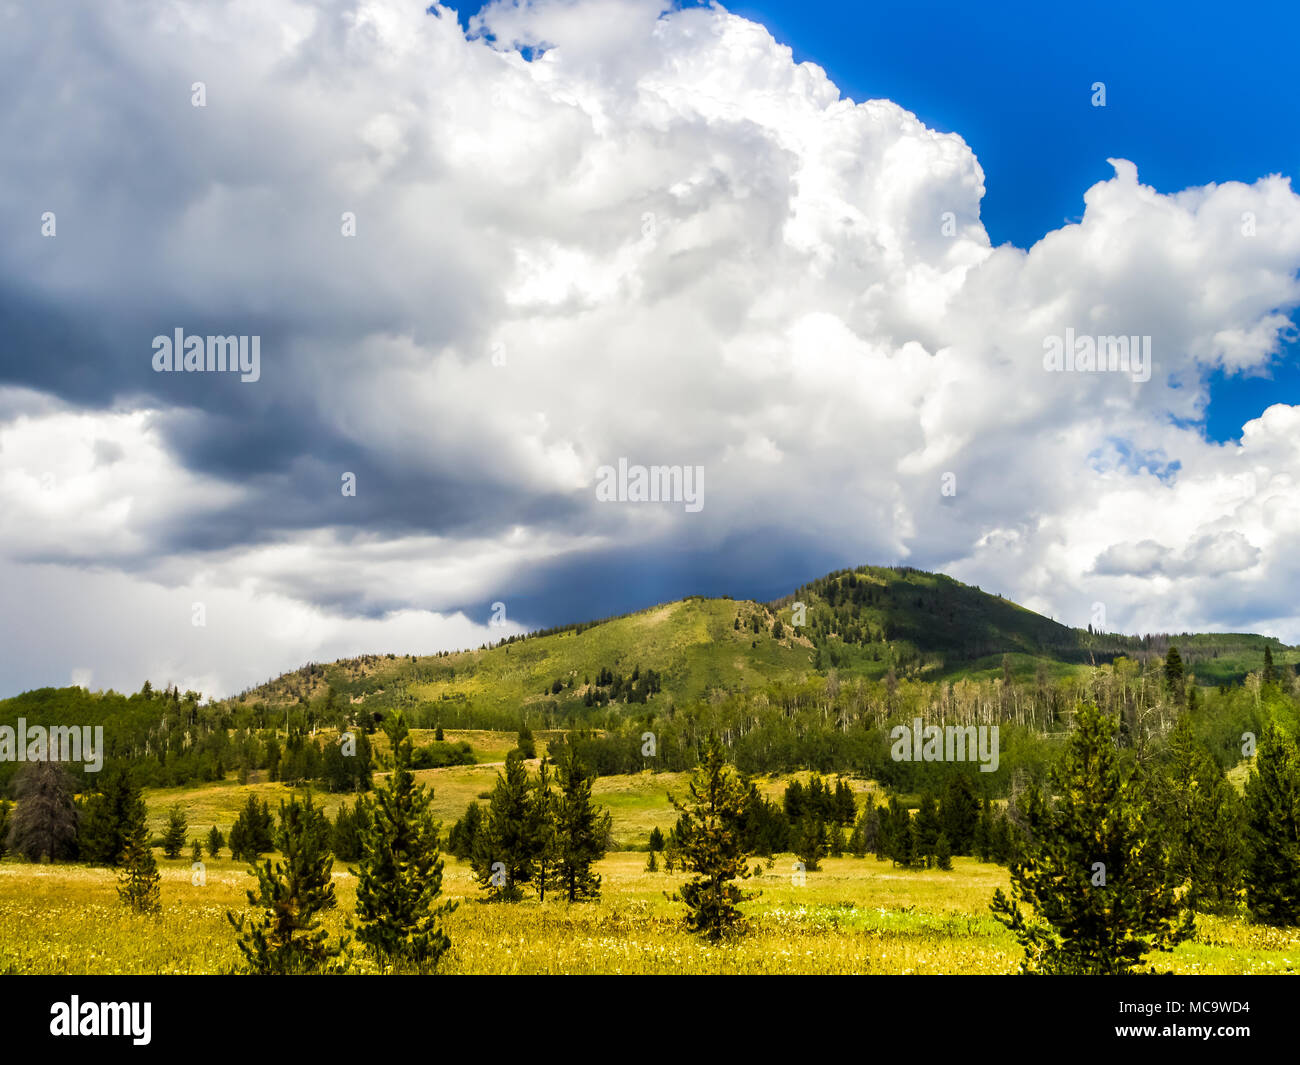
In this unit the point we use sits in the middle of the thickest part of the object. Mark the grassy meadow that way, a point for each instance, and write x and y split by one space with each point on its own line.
852 916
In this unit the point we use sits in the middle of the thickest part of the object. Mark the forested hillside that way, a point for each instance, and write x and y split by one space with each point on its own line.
805 682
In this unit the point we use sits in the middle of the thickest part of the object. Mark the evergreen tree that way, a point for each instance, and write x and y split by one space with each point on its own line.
348 830
651 865
1002 843
656 839
812 841
547 846
846 809
837 841
138 882
399 877
911 854
866 833
793 802
286 937
983 842
943 852
1199 816
348 766
896 826
106 818
1174 675
581 831
928 828
959 813
764 828
215 842
43 826
1099 886
505 848
710 837
251 834
464 833
177 827
819 800
1273 816
1270 672
527 745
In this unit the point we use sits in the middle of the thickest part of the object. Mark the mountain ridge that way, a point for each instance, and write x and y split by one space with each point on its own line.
864 621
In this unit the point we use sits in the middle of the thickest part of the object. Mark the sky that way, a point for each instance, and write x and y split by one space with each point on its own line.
816 255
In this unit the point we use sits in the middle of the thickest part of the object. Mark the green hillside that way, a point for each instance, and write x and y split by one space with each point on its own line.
865 622
802 682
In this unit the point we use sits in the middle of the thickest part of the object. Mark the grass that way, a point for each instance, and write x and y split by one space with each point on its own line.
854 916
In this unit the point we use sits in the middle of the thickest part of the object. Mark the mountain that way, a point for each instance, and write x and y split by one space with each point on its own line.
800 682
861 622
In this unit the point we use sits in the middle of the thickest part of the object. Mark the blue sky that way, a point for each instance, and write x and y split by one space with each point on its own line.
1195 93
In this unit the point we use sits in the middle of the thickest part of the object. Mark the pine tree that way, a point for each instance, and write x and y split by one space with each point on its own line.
959 813
1270 671
1273 817
942 852
1098 885
812 841
866 833
837 844
927 829
1001 840
286 937
793 802
709 833
1174 674
1199 816
526 744
349 827
545 853
656 839
399 877
651 865
250 835
983 842
174 836
913 852
43 826
896 833
507 845
581 831
137 884
215 842
846 804
196 850
464 833
106 818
